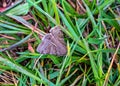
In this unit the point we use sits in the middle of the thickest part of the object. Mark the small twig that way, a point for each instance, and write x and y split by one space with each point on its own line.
8 37
81 6
106 34
77 79
71 3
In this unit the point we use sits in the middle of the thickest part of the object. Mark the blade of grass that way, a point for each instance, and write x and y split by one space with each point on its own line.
64 80
109 69
46 80
22 9
68 25
9 8
20 69
61 71
13 28
27 24
93 64
90 15
56 12
45 6
40 10
17 44
105 4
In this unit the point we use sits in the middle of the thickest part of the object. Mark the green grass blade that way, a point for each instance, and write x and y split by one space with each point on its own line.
20 69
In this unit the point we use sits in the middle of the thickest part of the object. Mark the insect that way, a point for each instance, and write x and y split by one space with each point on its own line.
53 43
5 3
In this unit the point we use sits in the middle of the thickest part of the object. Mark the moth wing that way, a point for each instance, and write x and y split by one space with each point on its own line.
61 40
40 47
45 42
46 46
50 49
61 50
59 46
53 50
57 32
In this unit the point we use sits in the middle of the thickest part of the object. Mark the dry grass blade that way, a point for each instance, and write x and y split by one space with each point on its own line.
109 69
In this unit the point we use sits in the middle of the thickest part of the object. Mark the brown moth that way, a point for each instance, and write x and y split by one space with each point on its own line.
53 43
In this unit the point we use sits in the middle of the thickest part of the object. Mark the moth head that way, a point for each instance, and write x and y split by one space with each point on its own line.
56 31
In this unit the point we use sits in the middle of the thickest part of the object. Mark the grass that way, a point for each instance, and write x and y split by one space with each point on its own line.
92 36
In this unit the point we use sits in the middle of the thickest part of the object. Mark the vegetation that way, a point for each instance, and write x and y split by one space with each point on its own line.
91 32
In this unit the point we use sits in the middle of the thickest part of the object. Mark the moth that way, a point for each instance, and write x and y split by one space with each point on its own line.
53 43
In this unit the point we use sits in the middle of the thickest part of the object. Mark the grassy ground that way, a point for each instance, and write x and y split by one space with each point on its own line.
91 32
